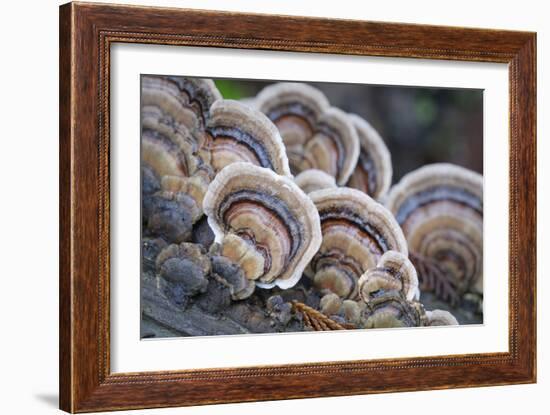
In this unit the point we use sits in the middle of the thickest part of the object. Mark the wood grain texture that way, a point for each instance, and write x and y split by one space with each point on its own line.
86 33
65 247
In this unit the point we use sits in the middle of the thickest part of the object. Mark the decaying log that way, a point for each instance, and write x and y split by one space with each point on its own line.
191 321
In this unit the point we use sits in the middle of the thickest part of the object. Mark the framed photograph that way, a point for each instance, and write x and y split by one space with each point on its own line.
258 207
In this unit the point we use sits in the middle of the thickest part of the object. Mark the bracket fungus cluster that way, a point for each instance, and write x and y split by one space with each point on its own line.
275 213
394 272
357 230
175 163
388 296
189 134
440 209
390 291
391 294
316 135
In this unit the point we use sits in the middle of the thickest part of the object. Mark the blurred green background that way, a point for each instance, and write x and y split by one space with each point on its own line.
419 125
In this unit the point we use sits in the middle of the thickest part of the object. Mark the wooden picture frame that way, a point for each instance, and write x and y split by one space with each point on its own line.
86 33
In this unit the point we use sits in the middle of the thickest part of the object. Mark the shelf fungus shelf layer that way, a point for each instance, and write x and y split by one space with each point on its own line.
316 135
174 114
264 222
237 132
357 231
313 179
394 272
183 101
373 172
440 209
390 292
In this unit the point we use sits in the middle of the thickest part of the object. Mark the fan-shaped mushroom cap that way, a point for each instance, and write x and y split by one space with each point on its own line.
394 272
357 230
373 171
440 318
264 222
313 179
316 136
392 310
164 156
239 133
184 101
292 99
176 139
440 209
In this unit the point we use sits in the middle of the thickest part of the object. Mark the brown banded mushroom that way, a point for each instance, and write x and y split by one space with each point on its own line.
234 132
170 196
179 174
189 140
174 114
237 132
167 155
188 149
394 272
316 136
373 172
183 101
263 222
393 310
390 293
314 179
357 230
440 209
